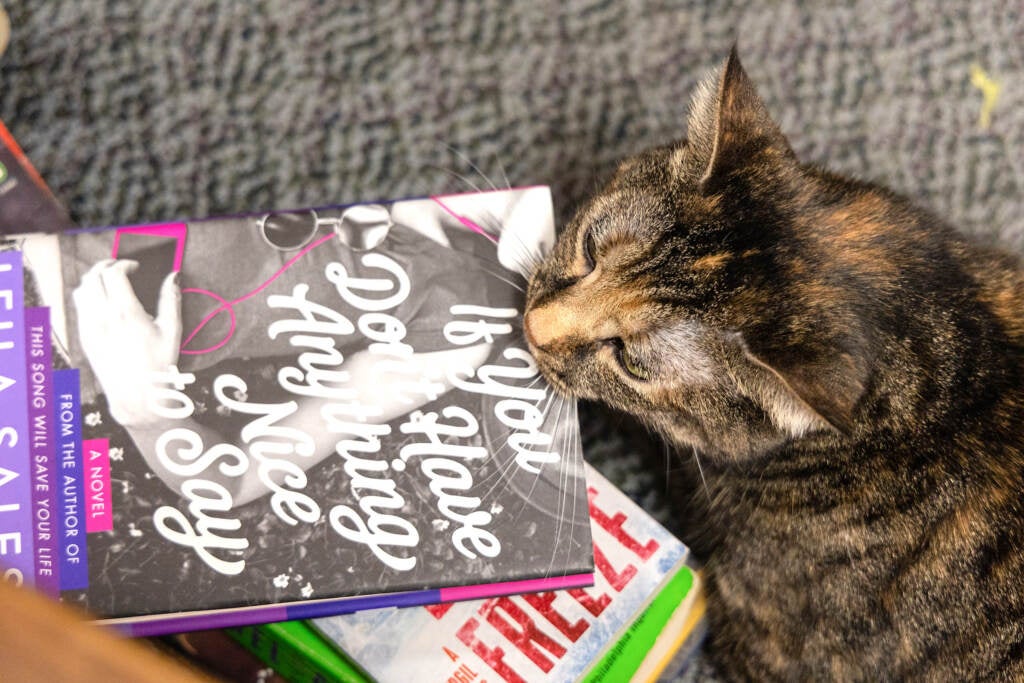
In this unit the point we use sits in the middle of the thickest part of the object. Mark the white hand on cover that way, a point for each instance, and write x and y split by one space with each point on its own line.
124 344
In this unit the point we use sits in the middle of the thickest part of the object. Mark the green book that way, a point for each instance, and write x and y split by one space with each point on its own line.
296 652
635 648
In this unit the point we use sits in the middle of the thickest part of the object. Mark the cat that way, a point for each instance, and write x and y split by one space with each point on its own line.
847 370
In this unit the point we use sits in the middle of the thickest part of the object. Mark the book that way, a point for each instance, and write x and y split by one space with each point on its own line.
297 652
26 203
598 633
217 653
651 644
287 415
5 30
658 646
673 651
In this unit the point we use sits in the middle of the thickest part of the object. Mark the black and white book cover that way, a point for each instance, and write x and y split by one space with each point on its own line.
306 412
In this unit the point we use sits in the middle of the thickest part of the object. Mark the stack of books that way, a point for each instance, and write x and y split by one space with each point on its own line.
319 433
641 621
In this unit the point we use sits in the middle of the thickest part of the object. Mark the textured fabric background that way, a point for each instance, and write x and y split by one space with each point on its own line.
160 109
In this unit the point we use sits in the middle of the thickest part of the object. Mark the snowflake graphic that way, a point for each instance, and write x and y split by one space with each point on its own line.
281 580
307 590
117 454
93 419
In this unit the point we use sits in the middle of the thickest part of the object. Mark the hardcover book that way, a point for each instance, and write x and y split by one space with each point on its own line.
296 651
599 633
285 415
26 203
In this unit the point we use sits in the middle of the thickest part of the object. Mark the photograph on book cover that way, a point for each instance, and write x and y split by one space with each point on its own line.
312 404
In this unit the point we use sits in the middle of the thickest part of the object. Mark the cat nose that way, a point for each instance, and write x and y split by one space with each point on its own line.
547 325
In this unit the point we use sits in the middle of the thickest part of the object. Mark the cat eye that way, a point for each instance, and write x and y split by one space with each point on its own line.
629 362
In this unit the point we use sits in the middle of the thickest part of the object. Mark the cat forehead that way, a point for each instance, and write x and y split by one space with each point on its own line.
626 213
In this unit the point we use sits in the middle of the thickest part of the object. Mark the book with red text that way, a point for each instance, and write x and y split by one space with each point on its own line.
598 633
26 203
297 413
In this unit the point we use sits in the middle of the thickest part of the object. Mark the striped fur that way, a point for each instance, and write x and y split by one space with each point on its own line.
849 371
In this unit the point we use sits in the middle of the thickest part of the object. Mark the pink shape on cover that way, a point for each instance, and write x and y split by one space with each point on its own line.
225 305
99 512
462 219
552 583
228 306
176 231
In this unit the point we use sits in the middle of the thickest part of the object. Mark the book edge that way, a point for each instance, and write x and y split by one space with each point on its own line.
163 624
665 647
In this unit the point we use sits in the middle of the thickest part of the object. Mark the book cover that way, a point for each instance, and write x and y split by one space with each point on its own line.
548 636
673 651
17 536
296 650
215 652
633 656
26 203
301 413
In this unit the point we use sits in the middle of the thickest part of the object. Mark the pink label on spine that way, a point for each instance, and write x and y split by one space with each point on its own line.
98 510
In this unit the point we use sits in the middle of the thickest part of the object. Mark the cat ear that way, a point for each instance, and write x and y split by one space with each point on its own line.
728 125
803 395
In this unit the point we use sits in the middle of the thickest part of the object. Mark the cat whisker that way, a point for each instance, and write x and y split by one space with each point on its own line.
515 285
563 487
700 470
528 256
504 176
557 402
496 275
456 175
471 164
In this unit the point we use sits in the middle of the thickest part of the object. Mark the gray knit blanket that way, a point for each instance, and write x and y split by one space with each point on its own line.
142 110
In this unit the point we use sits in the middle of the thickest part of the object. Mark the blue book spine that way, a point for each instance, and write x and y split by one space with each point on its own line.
43 449
74 562
16 539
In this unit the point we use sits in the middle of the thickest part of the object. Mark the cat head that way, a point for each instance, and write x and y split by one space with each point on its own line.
691 293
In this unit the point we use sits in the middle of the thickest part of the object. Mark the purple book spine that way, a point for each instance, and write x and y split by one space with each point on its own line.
42 449
74 568
16 543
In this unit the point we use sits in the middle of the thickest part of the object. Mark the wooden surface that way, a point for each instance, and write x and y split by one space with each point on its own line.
41 640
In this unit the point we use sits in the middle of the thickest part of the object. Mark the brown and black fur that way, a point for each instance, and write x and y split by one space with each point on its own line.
847 370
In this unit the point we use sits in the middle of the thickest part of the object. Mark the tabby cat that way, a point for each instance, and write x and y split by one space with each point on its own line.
848 372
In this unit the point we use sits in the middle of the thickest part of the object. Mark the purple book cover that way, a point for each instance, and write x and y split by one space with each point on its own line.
295 409
74 561
42 449
16 529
